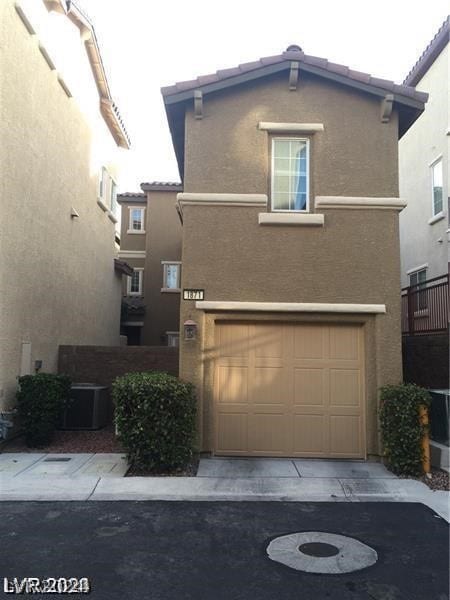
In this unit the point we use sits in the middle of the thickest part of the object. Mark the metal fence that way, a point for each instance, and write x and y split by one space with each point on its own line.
425 306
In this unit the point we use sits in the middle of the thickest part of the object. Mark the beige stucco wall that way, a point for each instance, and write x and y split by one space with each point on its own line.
57 279
356 155
162 244
353 258
427 139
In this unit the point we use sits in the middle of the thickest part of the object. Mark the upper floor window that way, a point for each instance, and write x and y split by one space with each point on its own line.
136 223
436 183
171 277
417 282
290 174
134 287
113 198
102 183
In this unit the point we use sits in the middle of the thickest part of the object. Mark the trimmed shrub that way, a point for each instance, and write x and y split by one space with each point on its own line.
401 429
155 416
41 398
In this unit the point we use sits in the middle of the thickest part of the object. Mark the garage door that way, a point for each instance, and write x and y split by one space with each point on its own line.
289 390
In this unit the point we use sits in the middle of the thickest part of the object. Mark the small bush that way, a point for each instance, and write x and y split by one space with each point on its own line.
401 429
41 399
155 416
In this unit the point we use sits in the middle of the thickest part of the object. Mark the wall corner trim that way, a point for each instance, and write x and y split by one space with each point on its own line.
291 219
366 203
291 307
290 127
23 17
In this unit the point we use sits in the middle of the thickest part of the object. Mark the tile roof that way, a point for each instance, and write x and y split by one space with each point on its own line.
161 186
131 195
294 53
430 54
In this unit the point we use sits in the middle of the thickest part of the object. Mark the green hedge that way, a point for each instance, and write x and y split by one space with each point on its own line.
155 416
40 400
401 429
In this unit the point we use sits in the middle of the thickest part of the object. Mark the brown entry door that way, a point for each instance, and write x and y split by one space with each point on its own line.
289 390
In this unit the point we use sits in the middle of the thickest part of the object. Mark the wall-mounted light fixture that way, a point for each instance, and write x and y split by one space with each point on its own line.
190 330
73 213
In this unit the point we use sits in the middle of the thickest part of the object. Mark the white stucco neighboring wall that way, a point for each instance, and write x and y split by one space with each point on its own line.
57 278
428 139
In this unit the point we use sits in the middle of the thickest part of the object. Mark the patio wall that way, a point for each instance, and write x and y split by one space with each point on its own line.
102 364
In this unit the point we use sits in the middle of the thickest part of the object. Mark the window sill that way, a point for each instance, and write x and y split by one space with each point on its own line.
111 217
291 219
171 290
418 314
441 215
102 205
134 231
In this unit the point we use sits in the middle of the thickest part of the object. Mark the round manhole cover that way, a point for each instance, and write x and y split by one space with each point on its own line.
320 552
318 549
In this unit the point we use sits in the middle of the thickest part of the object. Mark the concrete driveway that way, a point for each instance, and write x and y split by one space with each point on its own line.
217 550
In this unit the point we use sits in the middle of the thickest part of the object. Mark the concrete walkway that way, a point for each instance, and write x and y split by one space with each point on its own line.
100 477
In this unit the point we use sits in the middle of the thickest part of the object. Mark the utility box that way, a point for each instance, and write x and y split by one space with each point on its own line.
89 407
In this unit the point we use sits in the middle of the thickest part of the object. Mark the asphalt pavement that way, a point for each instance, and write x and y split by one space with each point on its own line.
217 550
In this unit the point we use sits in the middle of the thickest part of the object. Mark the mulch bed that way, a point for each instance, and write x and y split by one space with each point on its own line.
69 442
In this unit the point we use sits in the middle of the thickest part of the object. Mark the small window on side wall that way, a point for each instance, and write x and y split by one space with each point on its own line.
290 174
436 186
418 288
134 284
171 276
136 222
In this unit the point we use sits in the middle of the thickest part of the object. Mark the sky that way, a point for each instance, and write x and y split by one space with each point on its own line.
147 44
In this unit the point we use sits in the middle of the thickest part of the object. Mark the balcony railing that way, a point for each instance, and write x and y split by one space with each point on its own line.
425 307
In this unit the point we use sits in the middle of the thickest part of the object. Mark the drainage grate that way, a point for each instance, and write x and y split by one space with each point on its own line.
62 459
320 552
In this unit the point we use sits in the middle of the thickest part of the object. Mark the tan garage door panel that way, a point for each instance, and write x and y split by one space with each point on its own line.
289 390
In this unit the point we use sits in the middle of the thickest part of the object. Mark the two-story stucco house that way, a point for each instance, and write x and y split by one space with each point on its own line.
424 168
290 210
61 137
151 244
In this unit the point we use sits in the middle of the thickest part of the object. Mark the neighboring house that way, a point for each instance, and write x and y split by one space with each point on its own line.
60 135
290 229
424 170
151 244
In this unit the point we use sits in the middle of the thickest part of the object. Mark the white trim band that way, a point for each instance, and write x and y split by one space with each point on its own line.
311 219
132 254
228 199
351 202
290 127
310 307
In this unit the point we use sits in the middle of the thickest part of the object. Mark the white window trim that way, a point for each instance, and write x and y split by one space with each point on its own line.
415 269
439 215
173 334
167 289
139 270
138 231
272 163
